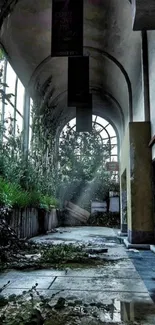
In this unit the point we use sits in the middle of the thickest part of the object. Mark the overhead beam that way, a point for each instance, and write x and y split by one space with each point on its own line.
143 14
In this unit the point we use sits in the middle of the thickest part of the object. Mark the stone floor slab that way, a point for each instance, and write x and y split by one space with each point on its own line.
94 284
104 273
35 273
27 282
130 278
83 234
88 296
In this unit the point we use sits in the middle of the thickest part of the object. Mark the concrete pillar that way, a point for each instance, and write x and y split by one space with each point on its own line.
137 161
140 203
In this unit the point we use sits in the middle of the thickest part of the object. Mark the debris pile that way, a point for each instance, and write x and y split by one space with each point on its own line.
20 254
12 248
33 308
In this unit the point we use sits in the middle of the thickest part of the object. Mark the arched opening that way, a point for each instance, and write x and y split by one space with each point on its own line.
83 166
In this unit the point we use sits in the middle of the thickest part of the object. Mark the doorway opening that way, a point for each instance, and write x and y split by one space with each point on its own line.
124 202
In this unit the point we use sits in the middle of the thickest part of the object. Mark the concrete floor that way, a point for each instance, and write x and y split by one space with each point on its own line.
128 283
78 234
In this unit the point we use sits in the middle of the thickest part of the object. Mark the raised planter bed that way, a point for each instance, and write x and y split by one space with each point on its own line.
31 222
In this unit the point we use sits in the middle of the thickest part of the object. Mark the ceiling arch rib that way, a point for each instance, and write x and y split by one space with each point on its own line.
98 54
108 37
105 81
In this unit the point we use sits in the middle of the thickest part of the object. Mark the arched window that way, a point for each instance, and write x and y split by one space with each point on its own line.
102 133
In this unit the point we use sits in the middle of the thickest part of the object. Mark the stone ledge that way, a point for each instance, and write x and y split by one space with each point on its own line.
152 248
122 234
136 246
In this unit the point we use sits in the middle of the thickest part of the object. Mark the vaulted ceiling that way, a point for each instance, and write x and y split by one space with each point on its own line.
108 39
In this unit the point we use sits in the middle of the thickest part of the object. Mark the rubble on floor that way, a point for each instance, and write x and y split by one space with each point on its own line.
33 308
108 290
21 254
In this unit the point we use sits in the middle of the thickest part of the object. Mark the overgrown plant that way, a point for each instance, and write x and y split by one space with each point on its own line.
24 180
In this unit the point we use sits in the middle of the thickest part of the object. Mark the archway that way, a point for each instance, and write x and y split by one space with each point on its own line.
83 166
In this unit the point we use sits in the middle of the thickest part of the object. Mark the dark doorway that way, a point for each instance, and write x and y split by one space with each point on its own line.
124 202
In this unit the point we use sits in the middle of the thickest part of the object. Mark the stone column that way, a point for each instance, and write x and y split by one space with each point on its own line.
140 201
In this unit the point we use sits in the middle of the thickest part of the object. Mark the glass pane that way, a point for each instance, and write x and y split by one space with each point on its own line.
0 110
105 141
2 66
104 134
110 130
72 122
101 121
98 127
19 123
2 63
10 81
114 158
114 150
114 140
30 136
20 97
9 120
31 106
5 139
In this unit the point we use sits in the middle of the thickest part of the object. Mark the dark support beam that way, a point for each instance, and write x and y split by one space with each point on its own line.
145 70
143 14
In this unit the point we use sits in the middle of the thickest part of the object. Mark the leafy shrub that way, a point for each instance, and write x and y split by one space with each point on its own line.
12 195
47 202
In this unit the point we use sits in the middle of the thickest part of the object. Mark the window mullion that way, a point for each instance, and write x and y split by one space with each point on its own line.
15 106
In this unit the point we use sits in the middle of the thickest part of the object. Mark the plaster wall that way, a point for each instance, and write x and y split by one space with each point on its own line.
138 98
125 165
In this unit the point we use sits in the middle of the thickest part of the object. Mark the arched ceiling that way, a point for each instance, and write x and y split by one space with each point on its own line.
108 40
